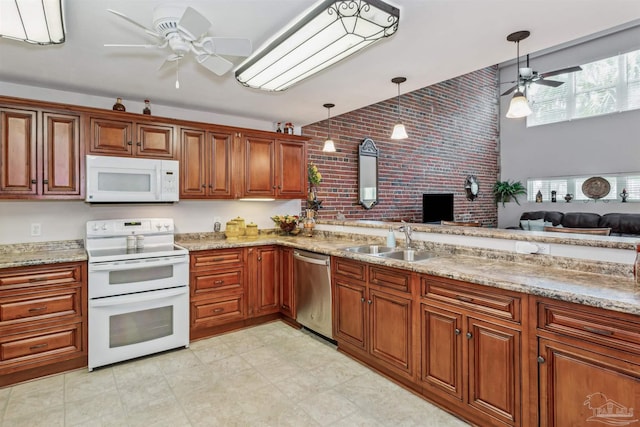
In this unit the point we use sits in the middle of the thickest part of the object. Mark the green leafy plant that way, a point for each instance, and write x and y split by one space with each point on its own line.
504 191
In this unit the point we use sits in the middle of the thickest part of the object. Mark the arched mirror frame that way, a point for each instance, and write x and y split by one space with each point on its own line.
368 173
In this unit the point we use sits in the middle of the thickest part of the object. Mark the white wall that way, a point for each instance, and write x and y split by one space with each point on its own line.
65 220
587 147
75 98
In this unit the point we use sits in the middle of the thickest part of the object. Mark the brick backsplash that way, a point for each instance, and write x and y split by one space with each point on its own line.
453 133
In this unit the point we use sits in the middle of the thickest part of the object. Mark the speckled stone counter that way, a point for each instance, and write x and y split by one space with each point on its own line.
598 290
26 254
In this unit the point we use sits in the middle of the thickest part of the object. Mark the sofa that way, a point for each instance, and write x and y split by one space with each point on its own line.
621 224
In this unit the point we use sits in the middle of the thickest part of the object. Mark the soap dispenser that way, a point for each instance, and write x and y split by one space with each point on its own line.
391 238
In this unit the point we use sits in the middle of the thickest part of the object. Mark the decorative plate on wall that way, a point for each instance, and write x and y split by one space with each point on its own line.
596 187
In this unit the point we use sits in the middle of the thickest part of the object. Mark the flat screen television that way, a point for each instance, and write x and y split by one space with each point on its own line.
437 207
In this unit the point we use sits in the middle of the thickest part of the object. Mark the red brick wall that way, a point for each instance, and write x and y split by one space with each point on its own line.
453 132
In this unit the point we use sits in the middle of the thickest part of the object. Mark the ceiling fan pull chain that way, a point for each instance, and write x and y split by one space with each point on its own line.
177 76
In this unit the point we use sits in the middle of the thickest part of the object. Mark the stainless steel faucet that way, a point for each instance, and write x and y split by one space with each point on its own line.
407 234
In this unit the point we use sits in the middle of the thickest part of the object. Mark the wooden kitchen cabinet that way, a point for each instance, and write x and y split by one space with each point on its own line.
373 317
114 136
471 350
287 293
264 267
274 167
40 155
43 320
589 365
205 164
218 290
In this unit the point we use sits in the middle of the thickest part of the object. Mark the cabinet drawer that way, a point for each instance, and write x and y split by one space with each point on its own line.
43 344
588 323
46 275
217 281
348 268
478 298
390 278
218 311
216 259
64 302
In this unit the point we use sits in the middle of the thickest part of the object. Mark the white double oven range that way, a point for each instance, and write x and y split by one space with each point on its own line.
138 289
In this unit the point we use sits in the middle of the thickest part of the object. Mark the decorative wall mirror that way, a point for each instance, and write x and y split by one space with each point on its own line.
472 187
368 173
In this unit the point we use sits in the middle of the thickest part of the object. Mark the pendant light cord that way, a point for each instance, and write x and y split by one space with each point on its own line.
329 119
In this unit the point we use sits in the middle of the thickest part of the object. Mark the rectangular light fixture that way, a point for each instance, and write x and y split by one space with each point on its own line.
331 31
32 21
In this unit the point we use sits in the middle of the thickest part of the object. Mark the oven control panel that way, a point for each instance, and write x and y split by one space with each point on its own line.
126 227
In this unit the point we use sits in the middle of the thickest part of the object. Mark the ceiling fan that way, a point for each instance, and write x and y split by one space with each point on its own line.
184 30
526 75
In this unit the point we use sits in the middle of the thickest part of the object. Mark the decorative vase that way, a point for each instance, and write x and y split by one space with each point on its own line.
309 223
119 106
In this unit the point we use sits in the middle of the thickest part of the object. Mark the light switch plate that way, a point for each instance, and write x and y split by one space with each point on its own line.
36 229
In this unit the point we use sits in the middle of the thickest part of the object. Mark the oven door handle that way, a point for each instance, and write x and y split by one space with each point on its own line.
139 297
117 266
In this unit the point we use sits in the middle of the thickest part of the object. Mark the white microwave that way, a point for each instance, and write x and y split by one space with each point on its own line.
130 180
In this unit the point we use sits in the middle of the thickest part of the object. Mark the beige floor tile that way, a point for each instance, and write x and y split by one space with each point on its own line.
270 375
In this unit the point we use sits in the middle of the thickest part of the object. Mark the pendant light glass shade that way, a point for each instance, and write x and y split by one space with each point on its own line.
329 146
519 106
399 131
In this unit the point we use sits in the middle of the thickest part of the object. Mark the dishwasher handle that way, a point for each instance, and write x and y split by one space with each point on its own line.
298 255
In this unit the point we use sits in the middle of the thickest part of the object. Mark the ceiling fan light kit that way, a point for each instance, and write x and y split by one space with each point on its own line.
33 22
328 33
399 131
525 76
184 31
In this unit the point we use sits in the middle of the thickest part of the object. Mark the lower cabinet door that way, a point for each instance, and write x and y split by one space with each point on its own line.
441 340
580 387
349 313
390 321
495 357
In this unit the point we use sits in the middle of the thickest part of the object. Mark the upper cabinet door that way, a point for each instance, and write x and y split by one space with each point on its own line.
259 164
193 163
292 170
220 156
18 154
154 140
108 136
61 154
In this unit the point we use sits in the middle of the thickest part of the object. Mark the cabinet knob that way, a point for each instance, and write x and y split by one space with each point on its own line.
279 187
369 302
219 282
33 181
469 335
259 258
129 143
273 186
210 186
361 299
457 331
541 359
139 144
204 186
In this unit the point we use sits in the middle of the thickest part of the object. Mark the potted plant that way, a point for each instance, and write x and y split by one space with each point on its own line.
504 191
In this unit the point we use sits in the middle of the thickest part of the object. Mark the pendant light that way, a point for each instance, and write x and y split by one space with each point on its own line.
329 146
399 132
519 106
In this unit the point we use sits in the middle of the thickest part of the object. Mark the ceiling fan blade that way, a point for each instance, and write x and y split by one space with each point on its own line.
215 64
227 46
193 24
551 83
562 71
510 90
137 24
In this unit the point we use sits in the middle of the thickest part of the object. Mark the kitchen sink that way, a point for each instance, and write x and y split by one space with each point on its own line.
409 255
370 249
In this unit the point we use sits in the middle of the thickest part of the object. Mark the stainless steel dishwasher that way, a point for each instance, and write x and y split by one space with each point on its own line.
312 284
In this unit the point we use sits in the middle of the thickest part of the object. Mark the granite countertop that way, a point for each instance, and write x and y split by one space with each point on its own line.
26 254
598 290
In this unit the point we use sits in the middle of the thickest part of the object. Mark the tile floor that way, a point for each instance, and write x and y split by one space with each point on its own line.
268 375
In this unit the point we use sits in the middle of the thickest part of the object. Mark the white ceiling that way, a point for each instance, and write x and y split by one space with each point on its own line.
436 40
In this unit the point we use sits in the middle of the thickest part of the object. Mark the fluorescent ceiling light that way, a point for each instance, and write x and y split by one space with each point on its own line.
330 32
32 21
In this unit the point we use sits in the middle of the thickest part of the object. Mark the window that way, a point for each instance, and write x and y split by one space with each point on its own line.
602 87
629 183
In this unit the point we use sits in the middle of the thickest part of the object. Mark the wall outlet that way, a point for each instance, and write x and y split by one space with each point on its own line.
36 229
